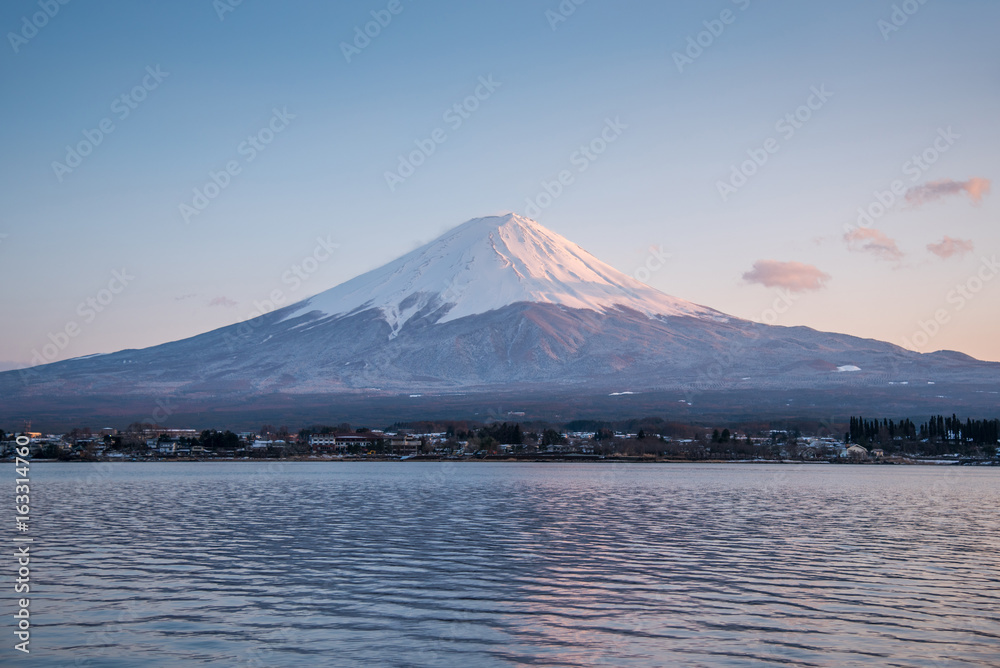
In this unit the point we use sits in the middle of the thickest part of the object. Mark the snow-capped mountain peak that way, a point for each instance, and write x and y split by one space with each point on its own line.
487 264
498 307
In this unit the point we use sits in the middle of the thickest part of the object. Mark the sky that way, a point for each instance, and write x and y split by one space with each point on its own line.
169 167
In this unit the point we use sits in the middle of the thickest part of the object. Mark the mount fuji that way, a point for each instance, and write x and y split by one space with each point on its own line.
487 264
498 312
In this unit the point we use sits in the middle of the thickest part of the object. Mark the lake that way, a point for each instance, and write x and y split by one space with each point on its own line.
494 564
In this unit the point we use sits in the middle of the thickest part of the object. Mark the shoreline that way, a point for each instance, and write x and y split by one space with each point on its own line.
527 460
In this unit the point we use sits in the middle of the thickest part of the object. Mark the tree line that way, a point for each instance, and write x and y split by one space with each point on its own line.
978 432
939 435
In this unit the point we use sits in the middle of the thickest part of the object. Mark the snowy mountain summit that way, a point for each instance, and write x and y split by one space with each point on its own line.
486 264
499 311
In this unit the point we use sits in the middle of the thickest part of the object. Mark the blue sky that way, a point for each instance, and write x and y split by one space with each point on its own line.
773 249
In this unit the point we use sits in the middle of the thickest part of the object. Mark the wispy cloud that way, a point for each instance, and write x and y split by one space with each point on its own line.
867 240
948 247
225 302
795 276
975 188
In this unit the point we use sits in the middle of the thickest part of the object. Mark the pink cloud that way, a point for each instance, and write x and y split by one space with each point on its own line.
975 188
867 240
225 302
794 276
948 247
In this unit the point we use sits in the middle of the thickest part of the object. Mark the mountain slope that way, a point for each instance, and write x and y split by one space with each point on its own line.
486 264
498 306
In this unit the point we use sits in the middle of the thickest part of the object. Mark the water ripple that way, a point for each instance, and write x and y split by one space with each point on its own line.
294 564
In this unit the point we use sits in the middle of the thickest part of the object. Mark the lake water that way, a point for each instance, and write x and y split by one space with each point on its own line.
466 564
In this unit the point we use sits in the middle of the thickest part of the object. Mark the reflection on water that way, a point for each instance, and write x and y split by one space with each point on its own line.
436 564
